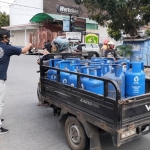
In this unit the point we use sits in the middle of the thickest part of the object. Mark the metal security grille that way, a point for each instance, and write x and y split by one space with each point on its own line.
40 36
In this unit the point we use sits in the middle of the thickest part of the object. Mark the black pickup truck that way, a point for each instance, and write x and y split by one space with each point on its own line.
85 114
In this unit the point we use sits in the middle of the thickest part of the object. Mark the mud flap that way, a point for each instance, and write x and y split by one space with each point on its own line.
93 134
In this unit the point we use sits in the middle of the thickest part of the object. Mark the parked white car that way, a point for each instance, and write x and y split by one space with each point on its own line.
89 47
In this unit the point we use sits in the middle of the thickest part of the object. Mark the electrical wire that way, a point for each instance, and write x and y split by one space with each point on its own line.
26 5
20 5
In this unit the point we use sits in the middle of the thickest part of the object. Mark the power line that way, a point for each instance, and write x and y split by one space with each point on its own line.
20 5
25 6
25 9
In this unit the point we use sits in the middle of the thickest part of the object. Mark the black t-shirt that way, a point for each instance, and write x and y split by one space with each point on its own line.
111 53
48 46
79 48
6 51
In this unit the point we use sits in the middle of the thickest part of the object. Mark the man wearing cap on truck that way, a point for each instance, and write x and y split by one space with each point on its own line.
6 51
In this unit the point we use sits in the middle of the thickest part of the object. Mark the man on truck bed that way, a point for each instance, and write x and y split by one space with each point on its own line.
6 51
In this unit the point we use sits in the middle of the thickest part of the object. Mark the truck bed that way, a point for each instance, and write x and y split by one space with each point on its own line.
112 115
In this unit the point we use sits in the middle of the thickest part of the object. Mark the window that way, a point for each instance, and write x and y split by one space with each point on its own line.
94 45
88 45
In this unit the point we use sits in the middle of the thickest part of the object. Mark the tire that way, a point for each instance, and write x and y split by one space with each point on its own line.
76 136
95 54
85 57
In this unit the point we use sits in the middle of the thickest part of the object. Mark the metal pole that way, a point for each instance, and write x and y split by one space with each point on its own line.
70 22
25 40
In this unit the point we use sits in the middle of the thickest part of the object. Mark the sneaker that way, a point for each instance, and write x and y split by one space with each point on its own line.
2 130
2 120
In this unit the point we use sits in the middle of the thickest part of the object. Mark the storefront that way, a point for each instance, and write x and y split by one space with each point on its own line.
53 25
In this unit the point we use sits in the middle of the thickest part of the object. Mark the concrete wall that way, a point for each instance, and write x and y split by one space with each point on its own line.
23 10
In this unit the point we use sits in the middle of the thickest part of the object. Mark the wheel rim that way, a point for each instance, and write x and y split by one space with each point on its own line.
75 135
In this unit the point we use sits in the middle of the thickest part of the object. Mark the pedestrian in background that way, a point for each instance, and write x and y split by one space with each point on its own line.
48 46
79 47
6 51
104 47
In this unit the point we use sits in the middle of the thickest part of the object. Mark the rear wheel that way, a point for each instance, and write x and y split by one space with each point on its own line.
85 57
93 55
76 136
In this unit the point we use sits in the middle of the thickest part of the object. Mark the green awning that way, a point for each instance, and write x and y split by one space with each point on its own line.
43 17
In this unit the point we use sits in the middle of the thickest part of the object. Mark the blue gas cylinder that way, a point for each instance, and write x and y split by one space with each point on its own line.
109 60
65 65
142 65
99 60
98 65
74 60
93 85
123 62
104 67
52 74
117 75
120 79
95 59
72 79
129 65
85 70
85 62
134 80
54 62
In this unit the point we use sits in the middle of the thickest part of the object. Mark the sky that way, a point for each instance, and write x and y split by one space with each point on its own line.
4 5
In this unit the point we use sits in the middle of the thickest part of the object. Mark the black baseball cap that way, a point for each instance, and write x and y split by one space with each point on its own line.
4 33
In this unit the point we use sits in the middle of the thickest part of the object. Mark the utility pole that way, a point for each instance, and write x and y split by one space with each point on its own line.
70 23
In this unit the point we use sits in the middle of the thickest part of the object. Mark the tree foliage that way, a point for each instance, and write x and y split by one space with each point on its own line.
147 32
124 50
121 15
4 19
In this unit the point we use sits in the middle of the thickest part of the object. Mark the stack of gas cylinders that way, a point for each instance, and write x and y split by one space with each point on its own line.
129 76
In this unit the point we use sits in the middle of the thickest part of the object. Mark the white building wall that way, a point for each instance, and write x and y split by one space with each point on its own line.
18 37
23 10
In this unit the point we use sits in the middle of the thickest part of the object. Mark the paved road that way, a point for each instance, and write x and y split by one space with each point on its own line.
34 127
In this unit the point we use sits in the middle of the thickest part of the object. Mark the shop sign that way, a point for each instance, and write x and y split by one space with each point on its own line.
92 38
73 36
68 10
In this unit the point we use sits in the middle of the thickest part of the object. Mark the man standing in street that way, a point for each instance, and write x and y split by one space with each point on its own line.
79 47
6 51
48 46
